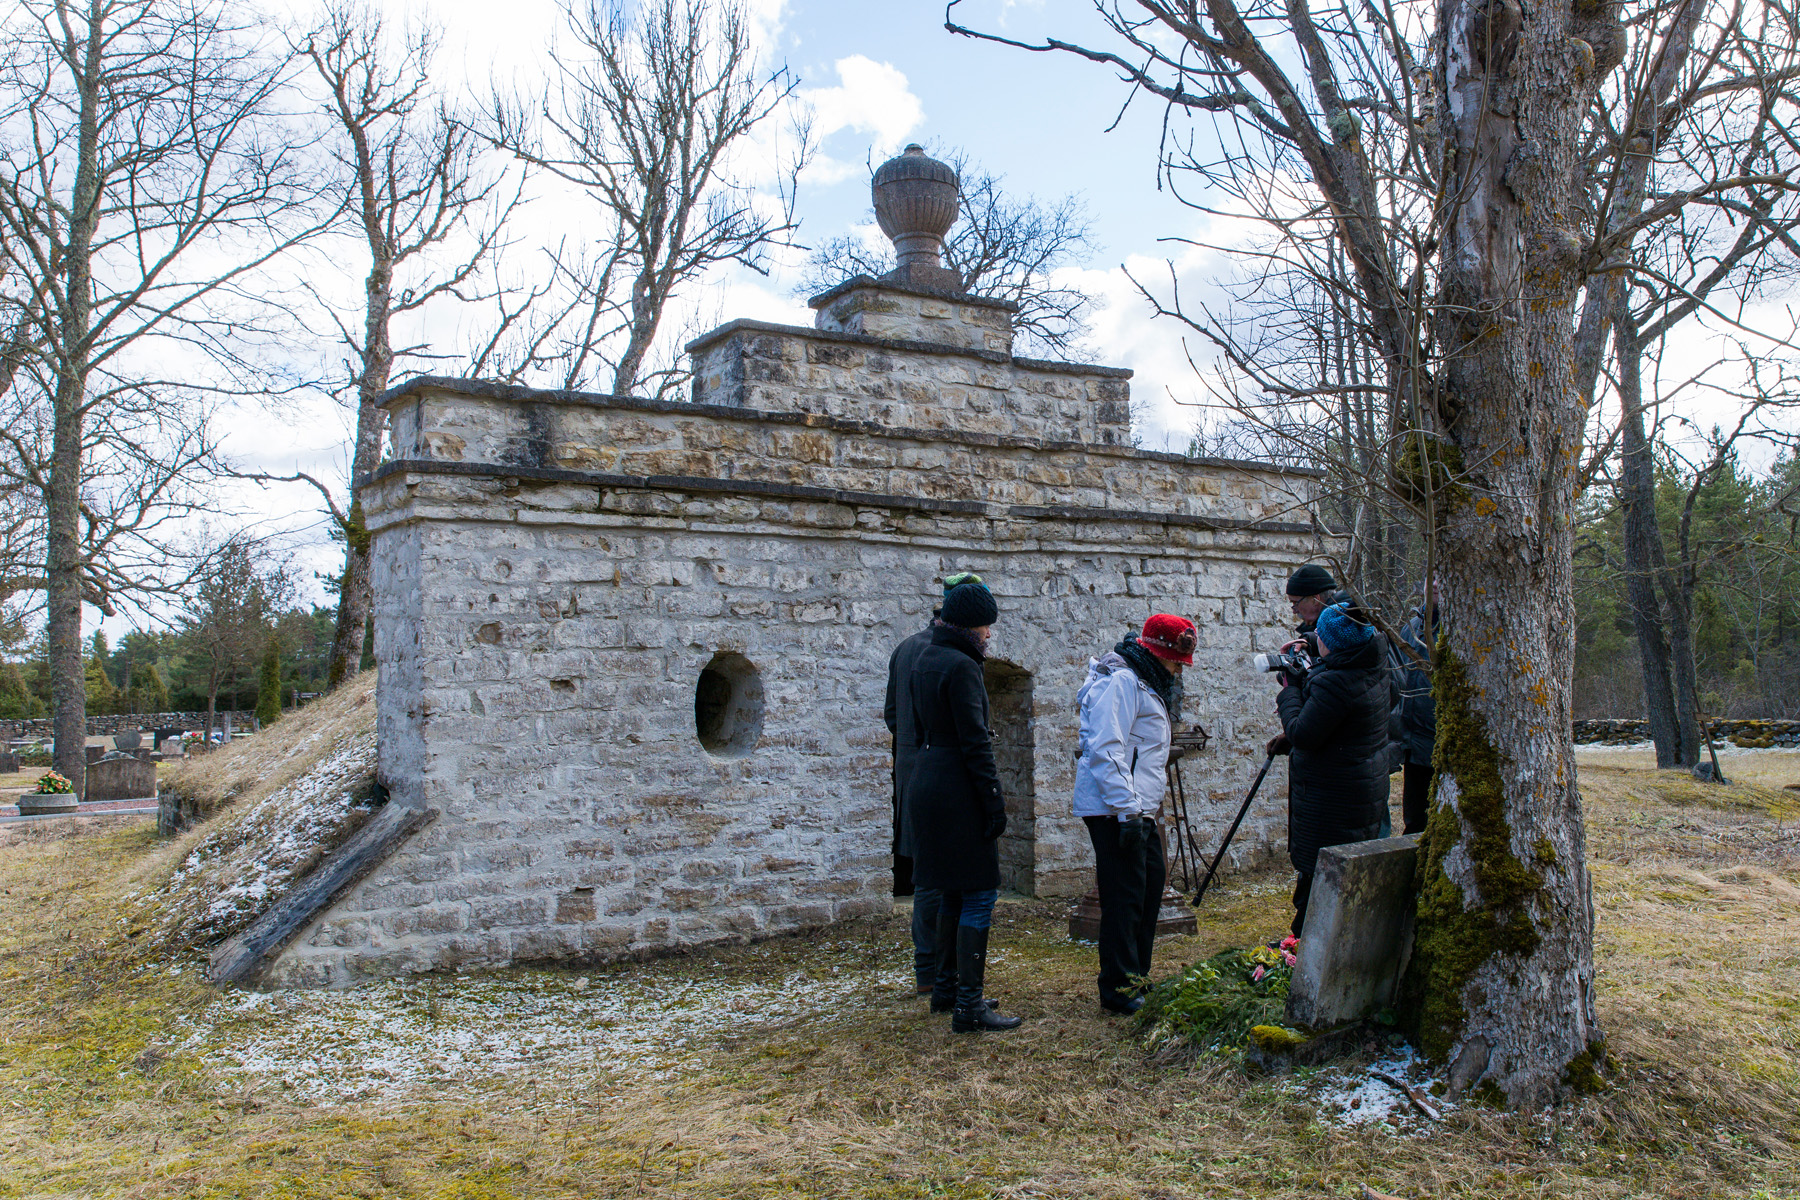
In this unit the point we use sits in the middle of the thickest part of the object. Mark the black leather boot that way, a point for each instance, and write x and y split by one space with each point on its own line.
943 989
972 1012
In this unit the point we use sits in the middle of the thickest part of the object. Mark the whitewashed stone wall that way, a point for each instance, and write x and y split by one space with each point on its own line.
553 572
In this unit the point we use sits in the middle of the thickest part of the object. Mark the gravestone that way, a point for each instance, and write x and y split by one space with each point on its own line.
121 777
9 763
1358 932
95 754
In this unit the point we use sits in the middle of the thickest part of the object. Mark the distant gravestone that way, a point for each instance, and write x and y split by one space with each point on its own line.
1358 932
95 754
121 777
9 763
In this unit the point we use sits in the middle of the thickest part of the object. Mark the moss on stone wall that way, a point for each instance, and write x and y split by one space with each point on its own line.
1452 942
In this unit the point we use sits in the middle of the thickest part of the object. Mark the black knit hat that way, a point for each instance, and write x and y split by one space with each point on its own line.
970 606
1310 580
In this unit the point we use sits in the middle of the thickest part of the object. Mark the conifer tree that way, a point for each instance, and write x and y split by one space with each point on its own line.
268 687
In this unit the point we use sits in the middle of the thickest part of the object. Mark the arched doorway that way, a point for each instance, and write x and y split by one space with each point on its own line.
1009 708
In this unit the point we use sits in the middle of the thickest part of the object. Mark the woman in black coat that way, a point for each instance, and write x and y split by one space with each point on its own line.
1335 724
953 809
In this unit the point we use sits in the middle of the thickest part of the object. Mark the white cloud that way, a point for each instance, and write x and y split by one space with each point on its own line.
872 98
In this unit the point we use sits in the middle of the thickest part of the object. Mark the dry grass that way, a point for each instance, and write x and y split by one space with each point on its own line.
249 768
1698 900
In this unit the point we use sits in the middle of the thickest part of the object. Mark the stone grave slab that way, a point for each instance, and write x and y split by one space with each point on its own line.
121 777
1358 932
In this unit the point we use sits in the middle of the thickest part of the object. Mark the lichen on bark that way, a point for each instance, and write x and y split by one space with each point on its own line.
1458 933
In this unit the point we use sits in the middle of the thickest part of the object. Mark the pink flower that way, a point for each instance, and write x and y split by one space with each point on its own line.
1289 957
1257 974
1289 942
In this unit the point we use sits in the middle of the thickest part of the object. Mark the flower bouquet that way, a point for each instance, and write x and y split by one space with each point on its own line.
1213 1004
52 784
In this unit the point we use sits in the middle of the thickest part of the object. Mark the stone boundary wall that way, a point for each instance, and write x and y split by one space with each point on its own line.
107 724
1747 733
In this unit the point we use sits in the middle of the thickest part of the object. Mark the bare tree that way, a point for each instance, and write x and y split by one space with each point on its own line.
1004 246
650 113
428 218
139 187
1440 149
1718 101
227 618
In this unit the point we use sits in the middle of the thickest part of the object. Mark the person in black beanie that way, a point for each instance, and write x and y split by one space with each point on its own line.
952 811
1309 589
1335 725
897 713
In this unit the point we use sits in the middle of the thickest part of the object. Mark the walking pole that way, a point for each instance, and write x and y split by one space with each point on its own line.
1230 833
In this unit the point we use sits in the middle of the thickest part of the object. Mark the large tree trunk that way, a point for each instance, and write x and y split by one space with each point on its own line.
62 592
1502 977
1643 547
68 674
354 595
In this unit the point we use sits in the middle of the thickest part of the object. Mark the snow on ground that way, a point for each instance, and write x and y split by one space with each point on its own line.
251 856
431 1037
1354 1096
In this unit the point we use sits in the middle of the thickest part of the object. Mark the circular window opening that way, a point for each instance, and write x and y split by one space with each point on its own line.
728 706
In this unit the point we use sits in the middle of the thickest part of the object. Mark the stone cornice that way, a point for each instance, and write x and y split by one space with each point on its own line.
792 491
513 393
746 324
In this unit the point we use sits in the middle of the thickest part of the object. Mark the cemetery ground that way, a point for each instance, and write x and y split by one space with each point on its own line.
800 1066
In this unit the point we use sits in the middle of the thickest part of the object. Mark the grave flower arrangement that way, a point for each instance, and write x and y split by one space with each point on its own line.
1212 1006
52 784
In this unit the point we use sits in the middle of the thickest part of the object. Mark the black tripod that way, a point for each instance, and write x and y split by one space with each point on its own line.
1200 894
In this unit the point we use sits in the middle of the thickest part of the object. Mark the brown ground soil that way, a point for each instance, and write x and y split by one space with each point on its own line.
105 1090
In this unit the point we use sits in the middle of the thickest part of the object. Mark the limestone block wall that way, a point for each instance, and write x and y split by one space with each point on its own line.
908 384
622 441
888 310
541 640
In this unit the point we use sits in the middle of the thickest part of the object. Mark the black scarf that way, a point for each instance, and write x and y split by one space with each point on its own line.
1164 682
975 645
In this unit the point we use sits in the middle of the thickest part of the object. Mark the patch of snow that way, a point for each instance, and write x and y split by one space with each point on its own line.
434 1036
238 869
1354 1096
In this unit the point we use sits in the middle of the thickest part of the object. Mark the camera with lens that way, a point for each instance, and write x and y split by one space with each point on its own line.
1291 660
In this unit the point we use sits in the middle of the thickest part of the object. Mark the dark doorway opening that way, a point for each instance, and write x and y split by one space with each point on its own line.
1009 709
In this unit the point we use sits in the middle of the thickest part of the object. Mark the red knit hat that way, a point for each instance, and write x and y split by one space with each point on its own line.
1168 636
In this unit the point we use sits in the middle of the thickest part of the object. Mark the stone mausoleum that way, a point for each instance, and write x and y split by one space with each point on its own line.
633 653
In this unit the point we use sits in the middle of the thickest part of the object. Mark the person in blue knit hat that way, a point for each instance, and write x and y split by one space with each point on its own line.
1334 725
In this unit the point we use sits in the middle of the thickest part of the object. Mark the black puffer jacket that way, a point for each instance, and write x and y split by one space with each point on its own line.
952 812
1337 726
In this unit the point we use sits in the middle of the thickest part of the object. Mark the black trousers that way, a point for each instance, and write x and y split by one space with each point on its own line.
1415 783
1302 894
1131 888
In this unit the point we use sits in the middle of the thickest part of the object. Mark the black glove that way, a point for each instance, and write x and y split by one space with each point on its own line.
1133 833
1278 745
996 825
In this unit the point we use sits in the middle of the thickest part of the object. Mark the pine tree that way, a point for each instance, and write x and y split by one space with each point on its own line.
16 701
268 687
102 697
149 690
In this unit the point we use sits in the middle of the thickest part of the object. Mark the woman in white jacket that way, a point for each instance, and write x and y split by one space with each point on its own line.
1129 705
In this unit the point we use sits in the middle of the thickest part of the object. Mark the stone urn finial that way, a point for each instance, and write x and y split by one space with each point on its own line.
916 202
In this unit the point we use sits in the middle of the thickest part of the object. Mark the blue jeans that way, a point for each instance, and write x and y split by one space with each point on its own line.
977 908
